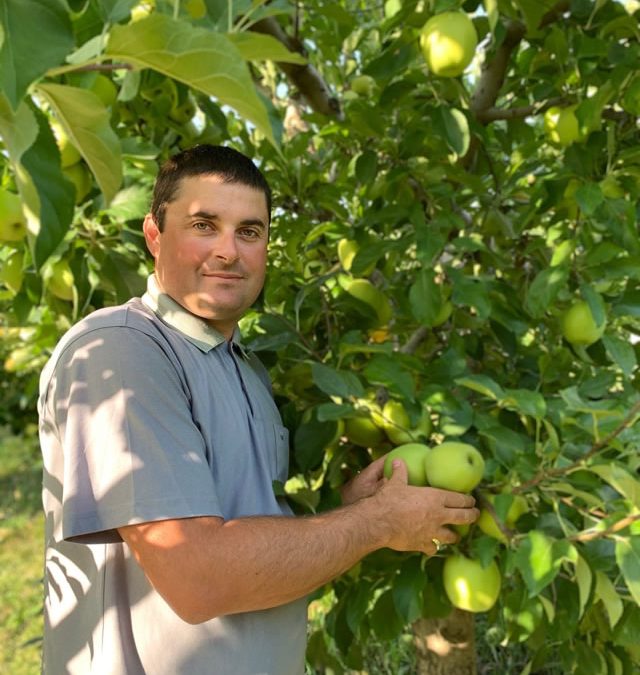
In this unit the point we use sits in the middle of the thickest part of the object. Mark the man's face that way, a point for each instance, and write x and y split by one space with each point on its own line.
211 256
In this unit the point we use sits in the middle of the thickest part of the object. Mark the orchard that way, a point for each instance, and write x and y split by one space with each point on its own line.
454 261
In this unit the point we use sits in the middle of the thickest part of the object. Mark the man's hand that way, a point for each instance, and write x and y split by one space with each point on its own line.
366 483
416 516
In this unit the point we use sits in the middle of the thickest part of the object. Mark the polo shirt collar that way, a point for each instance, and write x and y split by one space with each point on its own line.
195 330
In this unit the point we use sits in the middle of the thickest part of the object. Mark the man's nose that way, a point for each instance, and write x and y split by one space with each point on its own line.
226 247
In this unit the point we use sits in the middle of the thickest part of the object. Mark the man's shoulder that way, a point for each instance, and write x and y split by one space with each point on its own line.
117 328
132 315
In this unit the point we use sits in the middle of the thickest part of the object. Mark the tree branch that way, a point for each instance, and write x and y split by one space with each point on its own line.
590 535
306 78
494 71
595 448
520 112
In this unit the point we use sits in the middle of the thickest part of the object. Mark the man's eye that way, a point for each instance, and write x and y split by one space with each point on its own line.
250 233
201 225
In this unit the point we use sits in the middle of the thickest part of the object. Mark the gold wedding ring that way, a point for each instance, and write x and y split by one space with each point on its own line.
437 543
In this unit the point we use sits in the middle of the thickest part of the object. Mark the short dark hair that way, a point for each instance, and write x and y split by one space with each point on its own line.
204 159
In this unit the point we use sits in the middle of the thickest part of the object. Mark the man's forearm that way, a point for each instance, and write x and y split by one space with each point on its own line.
253 563
206 567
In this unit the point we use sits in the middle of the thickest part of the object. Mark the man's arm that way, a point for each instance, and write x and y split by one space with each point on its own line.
207 567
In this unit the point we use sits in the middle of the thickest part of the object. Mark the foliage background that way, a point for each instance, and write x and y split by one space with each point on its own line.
476 229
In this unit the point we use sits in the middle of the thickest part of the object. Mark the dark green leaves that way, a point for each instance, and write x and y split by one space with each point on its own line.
25 54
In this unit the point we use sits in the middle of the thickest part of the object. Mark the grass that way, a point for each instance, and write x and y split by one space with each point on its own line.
21 551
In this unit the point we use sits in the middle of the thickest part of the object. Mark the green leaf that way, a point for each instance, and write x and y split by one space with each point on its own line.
311 439
483 384
38 35
621 480
425 297
55 194
366 167
525 401
202 59
539 558
333 411
385 620
472 292
621 352
261 47
491 8
584 577
124 275
456 129
132 203
589 197
387 371
19 131
407 590
86 121
357 604
533 11
606 591
336 383
628 559
544 290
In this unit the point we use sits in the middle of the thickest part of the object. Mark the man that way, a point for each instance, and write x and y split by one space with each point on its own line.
167 550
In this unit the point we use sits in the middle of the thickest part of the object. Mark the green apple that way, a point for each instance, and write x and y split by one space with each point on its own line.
454 466
69 154
362 431
197 9
470 586
142 10
396 422
13 224
425 425
487 523
448 41
347 249
414 455
183 111
443 315
579 326
561 125
104 89
61 281
365 291
12 272
80 176
363 85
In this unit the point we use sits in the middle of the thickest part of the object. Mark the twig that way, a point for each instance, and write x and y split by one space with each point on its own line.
306 78
595 448
590 535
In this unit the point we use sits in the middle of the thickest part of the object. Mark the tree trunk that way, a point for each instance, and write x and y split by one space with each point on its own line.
446 646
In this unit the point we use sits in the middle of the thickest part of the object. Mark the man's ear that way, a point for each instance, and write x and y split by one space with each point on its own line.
151 234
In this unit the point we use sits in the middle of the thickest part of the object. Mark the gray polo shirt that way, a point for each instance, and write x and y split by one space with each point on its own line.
146 413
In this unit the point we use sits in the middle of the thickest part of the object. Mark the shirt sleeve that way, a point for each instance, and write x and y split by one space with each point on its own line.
131 450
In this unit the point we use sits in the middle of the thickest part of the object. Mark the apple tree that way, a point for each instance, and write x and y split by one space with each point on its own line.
454 258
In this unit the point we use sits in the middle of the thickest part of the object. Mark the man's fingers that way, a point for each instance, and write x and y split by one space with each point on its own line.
462 516
375 468
458 500
399 472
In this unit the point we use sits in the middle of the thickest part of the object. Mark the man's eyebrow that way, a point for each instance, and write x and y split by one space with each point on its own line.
206 215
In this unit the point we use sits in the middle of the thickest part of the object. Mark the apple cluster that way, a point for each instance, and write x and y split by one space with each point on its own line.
451 465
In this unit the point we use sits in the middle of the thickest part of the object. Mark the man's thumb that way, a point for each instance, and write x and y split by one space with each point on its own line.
399 472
